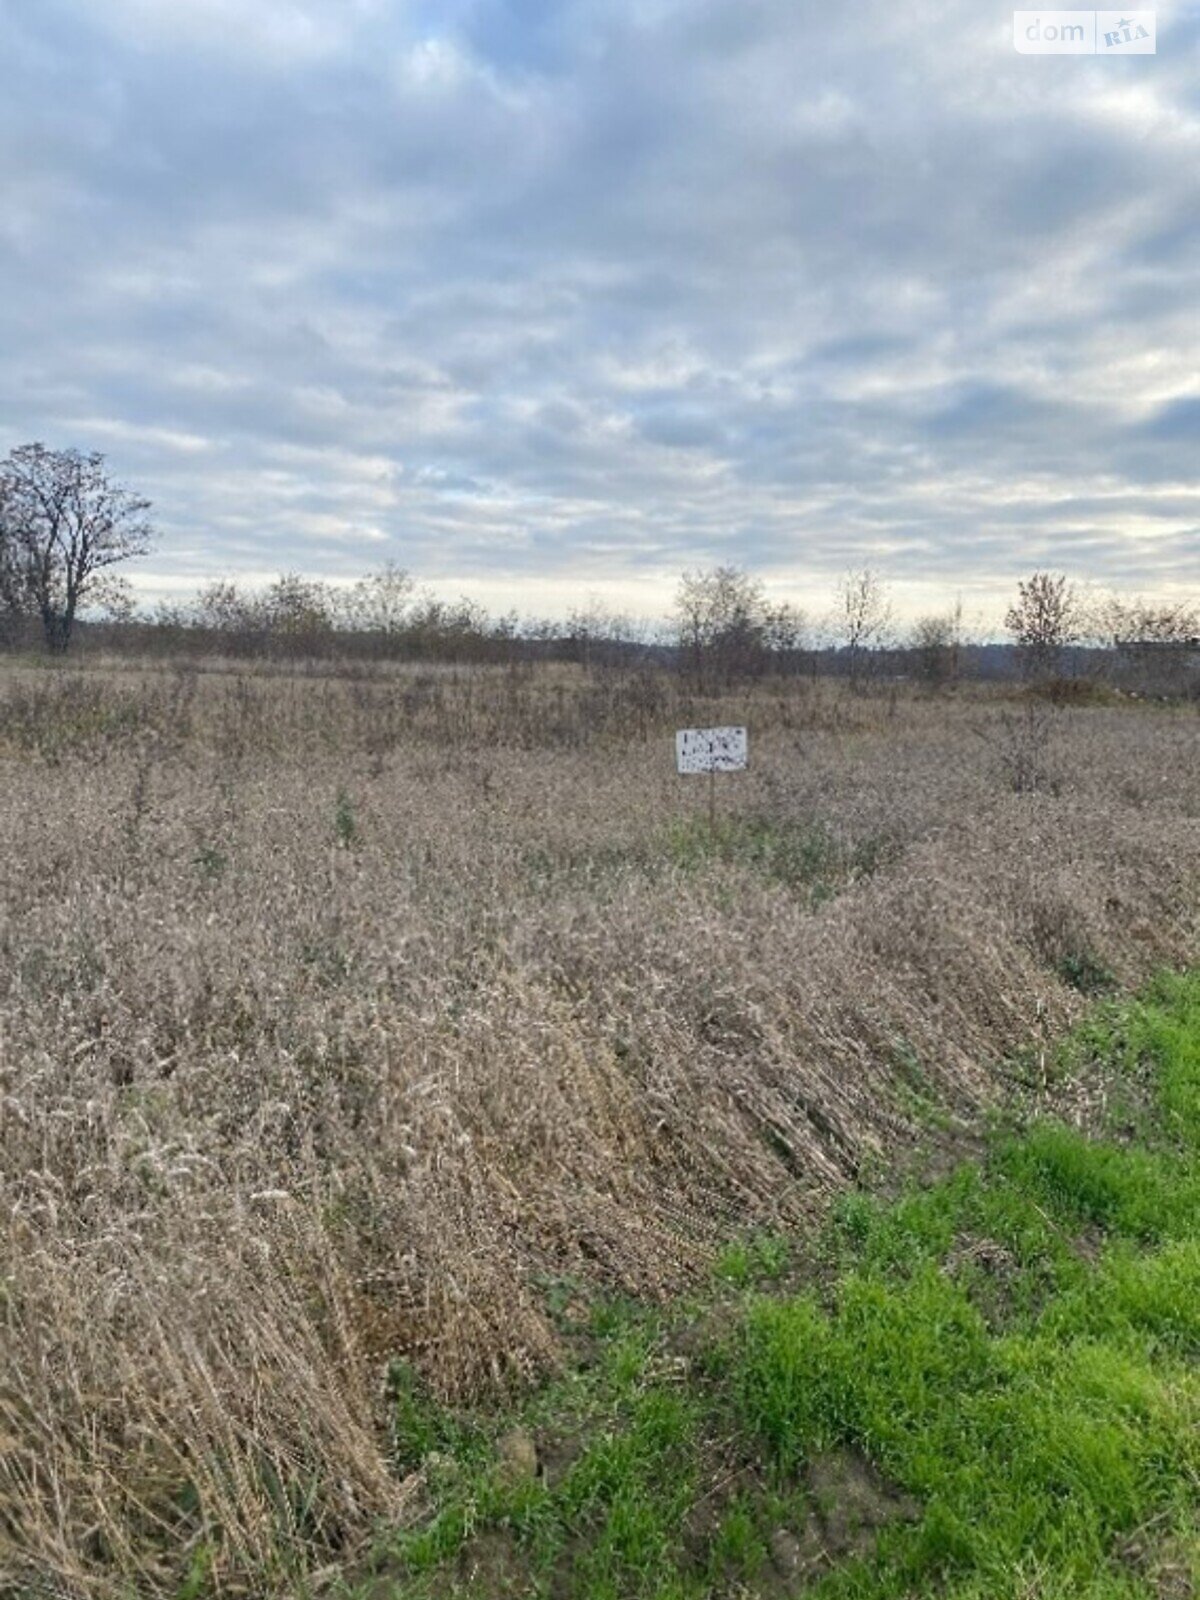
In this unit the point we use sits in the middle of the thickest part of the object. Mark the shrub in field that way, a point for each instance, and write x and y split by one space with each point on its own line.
1024 749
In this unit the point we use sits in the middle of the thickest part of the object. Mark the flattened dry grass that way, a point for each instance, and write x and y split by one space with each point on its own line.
336 1016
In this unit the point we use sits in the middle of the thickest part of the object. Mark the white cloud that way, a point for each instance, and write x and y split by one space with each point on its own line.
286 33
546 298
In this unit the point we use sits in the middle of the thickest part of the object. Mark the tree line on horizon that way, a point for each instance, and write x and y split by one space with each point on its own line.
65 526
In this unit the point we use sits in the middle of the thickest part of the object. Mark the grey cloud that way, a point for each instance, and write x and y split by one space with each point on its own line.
507 287
1177 421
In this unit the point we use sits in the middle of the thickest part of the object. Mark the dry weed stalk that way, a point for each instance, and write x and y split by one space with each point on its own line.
281 1099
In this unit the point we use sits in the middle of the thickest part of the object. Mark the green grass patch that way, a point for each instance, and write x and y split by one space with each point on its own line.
757 1258
807 857
801 855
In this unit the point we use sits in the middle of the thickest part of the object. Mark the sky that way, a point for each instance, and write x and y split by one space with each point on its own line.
546 301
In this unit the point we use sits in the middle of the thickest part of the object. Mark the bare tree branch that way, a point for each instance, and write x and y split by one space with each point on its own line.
62 522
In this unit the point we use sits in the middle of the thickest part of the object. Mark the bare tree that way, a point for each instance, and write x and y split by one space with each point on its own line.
1156 645
1128 624
379 603
1046 618
935 647
594 634
62 524
298 609
720 620
222 607
459 630
785 635
16 602
863 618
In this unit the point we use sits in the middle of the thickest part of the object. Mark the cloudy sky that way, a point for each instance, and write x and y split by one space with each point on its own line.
551 297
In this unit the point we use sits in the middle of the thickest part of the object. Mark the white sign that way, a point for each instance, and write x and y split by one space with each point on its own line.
710 749
1084 33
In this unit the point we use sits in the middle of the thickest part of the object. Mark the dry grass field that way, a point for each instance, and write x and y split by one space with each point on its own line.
343 1018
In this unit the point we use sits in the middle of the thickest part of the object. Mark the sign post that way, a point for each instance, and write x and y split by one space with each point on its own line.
711 750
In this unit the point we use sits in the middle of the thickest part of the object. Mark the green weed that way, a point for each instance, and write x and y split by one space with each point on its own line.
758 1258
345 825
800 855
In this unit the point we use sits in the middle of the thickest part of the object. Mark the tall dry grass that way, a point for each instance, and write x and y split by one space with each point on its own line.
339 1013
